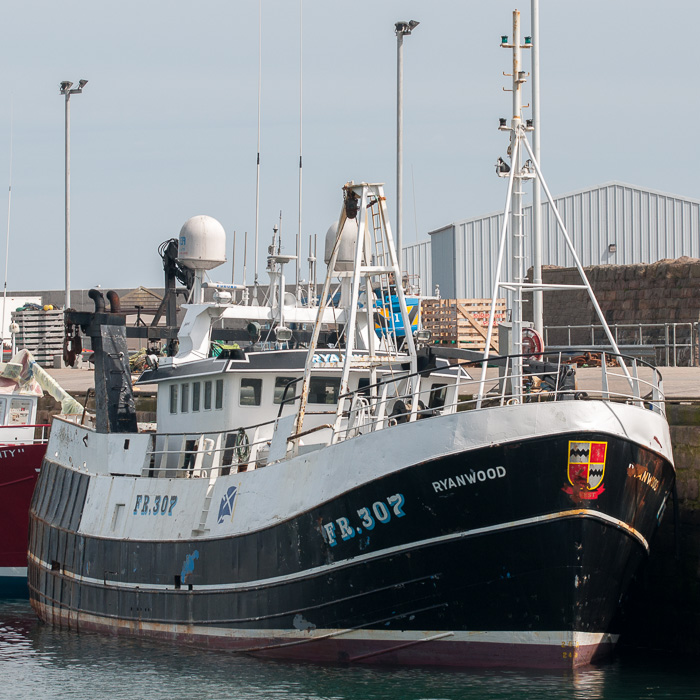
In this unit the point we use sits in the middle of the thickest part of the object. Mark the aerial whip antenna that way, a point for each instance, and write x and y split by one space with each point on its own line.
7 242
257 179
301 65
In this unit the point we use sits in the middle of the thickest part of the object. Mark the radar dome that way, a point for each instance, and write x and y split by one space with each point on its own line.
348 240
202 243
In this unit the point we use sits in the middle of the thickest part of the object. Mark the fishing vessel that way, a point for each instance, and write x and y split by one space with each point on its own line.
22 448
361 500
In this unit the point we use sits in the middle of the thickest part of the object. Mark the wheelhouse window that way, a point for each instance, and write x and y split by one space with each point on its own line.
207 396
251 392
196 392
185 398
219 400
173 398
280 384
20 412
324 390
438 394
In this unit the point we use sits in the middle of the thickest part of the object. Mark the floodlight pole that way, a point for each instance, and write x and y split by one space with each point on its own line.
402 29
67 91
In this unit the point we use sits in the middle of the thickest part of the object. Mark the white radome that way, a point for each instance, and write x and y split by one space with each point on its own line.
202 243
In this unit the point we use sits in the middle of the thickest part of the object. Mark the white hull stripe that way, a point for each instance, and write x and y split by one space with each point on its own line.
362 558
13 572
555 638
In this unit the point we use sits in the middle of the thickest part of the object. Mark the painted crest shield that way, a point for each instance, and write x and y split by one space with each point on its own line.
587 464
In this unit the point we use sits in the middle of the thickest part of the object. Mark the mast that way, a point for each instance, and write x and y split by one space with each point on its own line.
301 94
518 248
374 244
517 172
257 179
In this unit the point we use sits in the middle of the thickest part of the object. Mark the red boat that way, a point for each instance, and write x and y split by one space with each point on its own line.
22 447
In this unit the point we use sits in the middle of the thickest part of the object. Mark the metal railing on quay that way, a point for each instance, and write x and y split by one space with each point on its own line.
668 344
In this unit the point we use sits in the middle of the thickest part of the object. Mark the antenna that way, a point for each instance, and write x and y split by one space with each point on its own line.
301 94
245 262
233 260
7 244
257 179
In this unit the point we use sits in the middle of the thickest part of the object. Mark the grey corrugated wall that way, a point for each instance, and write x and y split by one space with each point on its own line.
645 226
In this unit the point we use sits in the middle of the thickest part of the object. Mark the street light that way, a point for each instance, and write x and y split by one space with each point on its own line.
66 90
402 29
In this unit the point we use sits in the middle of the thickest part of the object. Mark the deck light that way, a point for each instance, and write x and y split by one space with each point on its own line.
424 335
528 41
502 121
528 123
504 39
283 334
612 248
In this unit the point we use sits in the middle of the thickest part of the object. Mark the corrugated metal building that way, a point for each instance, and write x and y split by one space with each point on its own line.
614 223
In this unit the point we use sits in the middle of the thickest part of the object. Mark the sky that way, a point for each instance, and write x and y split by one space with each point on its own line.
166 128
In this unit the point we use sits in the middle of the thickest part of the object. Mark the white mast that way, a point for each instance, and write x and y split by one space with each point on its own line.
257 179
301 94
516 173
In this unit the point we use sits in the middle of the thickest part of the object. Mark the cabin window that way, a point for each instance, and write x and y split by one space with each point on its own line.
219 402
2 410
280 384
207 396
196 390
362 386
438 394
20 412
251 392
185 398
324 390
173 398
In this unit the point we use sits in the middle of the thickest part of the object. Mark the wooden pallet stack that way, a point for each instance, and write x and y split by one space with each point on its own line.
41 332
461 322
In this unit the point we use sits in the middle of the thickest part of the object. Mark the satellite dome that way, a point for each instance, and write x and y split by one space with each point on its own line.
202 243
346 252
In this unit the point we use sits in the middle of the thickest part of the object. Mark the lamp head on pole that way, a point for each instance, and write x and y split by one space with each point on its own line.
405 28
66 86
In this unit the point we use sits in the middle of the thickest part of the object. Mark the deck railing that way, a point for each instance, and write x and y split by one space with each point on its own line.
388 403
40 437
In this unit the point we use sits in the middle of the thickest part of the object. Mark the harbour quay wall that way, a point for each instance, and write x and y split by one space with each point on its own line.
663 608
667 291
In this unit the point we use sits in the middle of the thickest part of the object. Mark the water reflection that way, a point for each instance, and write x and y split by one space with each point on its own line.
39 662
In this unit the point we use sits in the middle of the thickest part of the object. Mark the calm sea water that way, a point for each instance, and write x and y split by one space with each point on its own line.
39 663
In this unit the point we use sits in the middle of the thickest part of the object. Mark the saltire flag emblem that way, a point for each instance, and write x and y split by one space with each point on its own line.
587 466
226 505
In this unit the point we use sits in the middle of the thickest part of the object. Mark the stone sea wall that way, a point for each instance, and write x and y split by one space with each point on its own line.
667 291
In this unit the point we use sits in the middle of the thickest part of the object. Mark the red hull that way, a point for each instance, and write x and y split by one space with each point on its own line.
19 470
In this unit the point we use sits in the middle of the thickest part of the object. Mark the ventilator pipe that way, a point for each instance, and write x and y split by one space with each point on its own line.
99 300
114 304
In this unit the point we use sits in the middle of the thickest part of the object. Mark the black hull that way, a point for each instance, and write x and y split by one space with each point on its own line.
512 566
